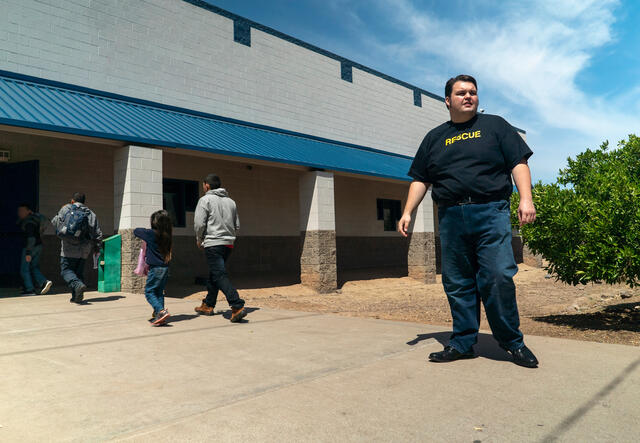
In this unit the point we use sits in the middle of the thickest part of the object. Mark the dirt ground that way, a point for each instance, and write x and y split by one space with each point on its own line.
601 313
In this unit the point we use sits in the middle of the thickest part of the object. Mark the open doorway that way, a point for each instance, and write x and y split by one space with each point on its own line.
19 183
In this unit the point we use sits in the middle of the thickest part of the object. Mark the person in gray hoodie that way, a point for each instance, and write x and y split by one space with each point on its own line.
216 222
77 226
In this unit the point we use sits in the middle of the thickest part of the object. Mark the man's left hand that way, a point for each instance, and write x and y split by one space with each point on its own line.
526 212
27 258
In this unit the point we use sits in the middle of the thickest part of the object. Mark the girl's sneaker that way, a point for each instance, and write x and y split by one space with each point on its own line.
161 318
153 316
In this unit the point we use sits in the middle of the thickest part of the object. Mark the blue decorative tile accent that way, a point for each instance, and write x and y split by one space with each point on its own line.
417 97
346 71
242 31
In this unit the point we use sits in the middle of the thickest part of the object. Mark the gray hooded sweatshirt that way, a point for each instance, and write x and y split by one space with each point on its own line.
216 219
74 247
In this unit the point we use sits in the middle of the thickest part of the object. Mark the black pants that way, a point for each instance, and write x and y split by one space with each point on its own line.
219 279
72 271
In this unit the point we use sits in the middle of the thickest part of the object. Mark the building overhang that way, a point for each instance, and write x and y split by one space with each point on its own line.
30 102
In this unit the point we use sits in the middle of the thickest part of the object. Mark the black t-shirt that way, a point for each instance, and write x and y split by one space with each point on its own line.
471 159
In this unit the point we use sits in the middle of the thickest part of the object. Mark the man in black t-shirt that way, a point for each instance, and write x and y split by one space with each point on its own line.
469 161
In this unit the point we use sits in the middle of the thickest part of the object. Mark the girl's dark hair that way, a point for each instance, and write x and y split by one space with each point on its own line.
161 224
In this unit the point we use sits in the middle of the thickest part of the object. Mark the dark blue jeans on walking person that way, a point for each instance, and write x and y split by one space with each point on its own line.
72 271
30 271
154 289
478 265
217 257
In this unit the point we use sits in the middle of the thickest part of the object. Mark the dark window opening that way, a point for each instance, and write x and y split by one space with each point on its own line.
390 211
178 198
346 71
242 32
417 97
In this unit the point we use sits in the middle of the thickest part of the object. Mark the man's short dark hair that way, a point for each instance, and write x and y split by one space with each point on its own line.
79 197
25 205
458 78
213 181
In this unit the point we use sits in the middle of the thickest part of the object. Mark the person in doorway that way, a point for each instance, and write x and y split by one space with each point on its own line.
78 229
31 225
157 257
469 161
216 222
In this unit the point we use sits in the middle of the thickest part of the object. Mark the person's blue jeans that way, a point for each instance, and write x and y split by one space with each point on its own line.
478 265
154 289
217 257
72 271
31 271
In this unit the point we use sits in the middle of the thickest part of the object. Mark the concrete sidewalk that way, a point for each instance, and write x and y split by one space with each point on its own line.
100 372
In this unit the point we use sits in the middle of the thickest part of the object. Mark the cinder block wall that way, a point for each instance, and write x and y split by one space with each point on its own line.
173 52
267 200
361 239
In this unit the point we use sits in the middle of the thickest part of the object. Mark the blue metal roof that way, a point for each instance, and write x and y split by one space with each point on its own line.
42 104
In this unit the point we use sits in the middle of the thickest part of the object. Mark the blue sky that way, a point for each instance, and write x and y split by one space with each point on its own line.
566 71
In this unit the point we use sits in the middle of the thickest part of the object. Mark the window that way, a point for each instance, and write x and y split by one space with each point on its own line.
178 198
390 211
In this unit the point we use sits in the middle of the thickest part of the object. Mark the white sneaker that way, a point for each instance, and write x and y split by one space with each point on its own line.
46 287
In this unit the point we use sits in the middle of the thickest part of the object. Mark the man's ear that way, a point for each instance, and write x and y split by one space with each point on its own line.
447 101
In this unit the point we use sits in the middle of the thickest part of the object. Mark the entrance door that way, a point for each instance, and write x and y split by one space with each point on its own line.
18 184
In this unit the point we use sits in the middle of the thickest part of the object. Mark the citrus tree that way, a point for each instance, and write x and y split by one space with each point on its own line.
588 221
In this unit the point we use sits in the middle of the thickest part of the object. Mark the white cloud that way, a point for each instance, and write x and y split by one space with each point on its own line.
528 55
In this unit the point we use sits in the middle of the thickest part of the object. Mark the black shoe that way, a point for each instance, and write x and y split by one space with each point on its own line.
79 294
524 357
450 354
27 292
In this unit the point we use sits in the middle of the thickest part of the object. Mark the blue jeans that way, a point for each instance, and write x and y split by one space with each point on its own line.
478 265
217 257
72 271
32 269
154 289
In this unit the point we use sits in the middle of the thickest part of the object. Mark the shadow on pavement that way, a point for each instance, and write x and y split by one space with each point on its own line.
181 317
620 317
571 420
101 299
487 346
227 314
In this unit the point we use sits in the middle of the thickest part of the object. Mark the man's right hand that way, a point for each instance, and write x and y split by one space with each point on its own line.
403 224
27 258
199 245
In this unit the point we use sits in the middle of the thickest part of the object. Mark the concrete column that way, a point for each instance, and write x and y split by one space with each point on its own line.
137 194
318 268
422 243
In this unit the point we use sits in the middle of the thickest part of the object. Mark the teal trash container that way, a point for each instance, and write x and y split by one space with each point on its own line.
109 266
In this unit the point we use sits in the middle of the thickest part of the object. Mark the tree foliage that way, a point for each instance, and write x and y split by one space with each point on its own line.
588 221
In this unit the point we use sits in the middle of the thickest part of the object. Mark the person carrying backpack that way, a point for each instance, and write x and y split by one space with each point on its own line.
32 225
157 257
79 232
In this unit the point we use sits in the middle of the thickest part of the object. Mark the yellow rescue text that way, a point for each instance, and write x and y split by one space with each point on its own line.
463 136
